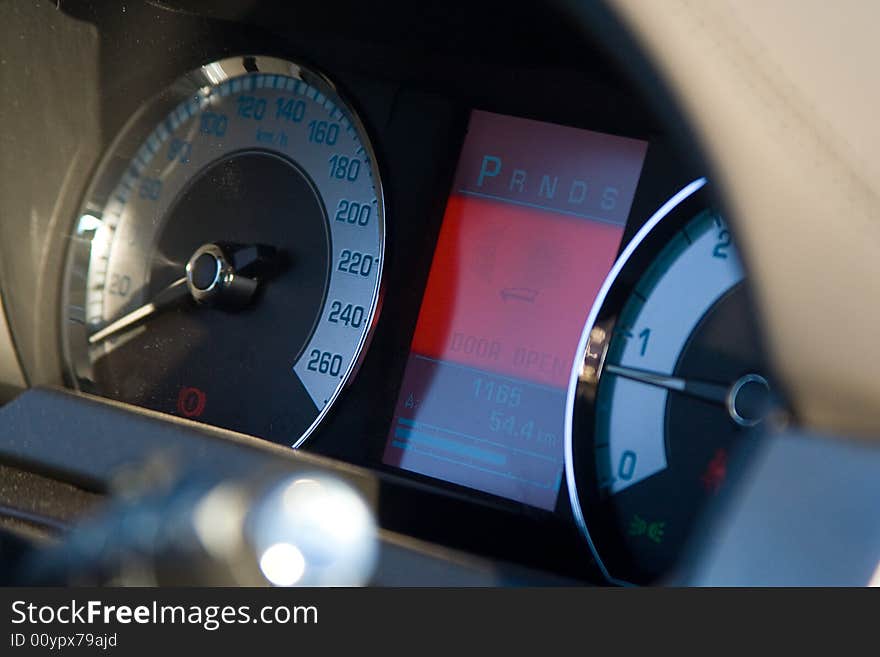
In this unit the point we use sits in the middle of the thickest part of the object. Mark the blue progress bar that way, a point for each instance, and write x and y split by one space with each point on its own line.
412 424
419 438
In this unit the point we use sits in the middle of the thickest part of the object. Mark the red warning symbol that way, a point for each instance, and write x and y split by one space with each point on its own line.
191 402
716 471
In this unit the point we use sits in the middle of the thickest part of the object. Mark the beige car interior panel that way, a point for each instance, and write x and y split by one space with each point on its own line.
789 122
10 372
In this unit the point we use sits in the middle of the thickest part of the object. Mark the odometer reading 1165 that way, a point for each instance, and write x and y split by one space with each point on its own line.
536 214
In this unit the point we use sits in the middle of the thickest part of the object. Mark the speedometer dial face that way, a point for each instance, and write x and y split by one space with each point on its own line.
227 264
672 379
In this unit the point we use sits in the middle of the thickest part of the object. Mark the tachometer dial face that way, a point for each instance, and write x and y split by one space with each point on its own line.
227 264
672 379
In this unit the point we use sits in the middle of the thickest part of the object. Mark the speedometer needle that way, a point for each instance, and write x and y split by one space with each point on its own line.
747 399
217 274
172 294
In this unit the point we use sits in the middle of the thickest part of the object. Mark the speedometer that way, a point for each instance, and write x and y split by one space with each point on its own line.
227 263
669 381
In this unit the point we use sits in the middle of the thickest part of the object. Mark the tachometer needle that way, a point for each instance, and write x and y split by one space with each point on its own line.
711 392
172 294
747 399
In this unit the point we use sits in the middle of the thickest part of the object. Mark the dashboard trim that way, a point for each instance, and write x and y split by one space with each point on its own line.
11 373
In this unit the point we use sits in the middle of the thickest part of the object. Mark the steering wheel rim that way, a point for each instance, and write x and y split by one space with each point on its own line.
785 177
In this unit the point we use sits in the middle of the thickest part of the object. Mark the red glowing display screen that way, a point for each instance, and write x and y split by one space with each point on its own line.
507 288
531 229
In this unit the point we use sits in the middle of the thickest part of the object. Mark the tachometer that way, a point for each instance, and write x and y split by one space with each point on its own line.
670 378
227 263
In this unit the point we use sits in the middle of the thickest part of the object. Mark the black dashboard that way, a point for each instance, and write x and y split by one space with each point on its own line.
493 183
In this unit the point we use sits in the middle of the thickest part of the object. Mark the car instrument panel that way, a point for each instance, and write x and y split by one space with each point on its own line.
483 270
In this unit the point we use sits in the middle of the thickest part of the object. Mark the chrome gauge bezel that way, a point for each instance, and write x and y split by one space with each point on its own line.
126 146
587 367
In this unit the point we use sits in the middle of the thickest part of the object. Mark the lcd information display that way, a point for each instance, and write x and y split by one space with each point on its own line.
531 229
